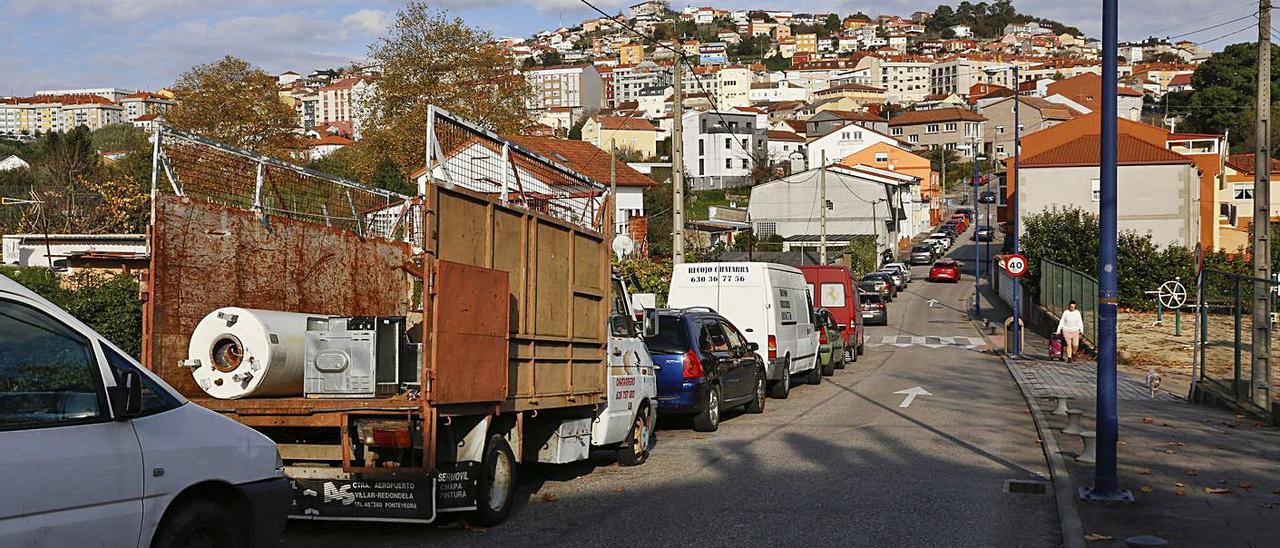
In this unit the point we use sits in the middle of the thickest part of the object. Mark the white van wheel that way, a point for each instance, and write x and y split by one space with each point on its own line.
781 388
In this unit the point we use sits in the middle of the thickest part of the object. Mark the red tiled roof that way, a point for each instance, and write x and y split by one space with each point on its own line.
951 114
145 95
797 126
330 140
1086 89
1244 163
1086 151
1180 80
584 158
146 117
778 135
624 123
854 115
345 83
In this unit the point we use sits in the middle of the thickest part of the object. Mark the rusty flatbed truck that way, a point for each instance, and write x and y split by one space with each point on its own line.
509 291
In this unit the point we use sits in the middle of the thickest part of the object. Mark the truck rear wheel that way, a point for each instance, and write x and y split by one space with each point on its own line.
497 484
635 449
199 523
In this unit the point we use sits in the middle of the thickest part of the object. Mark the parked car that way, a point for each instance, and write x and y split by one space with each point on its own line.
923 253
984 234
946 270
705 366
987 197
100 451
947 237
966 211
899 280
768 302
961 221
878 287
874 312
832 289
902 268
831 353
888 278
938 243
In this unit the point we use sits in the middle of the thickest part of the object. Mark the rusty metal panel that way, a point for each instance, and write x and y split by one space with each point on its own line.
469 342
205 256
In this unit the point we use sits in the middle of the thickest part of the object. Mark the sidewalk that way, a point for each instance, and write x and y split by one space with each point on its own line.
1202 476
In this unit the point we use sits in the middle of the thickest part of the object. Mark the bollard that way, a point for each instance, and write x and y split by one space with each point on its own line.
1061 409
1073 422
1090 453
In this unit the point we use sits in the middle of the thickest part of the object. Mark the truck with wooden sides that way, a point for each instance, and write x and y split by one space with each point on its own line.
517 342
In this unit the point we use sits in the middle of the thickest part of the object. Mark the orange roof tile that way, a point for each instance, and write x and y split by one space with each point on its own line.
624 123
950 114
1086 151
778 135
1244 163
584 158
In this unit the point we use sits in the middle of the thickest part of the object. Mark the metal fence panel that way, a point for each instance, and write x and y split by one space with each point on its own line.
1059 285
1225 312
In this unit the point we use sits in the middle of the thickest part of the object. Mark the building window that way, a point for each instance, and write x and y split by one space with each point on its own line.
701 167
1097 190
915 138
951 126
882 157
897 131
744 163
728 143
766 228
701 147
999 130
1242 191
999 149
931 128
728 163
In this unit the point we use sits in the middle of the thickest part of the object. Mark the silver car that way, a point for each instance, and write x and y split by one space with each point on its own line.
901 268
923 253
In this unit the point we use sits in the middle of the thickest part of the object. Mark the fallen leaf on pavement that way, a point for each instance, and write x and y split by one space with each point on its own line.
619 489
1222 481
1122 443
1171 451
1216 490
1145 472
1091 537
1179 485
472 528
1145 489
1245 485
1165 424
1179 493
1148 420
1193 472
549 497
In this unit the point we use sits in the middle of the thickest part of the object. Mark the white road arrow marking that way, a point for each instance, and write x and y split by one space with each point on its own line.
932 302
911 394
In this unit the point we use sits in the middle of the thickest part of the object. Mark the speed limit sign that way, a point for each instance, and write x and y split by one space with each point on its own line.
1015 265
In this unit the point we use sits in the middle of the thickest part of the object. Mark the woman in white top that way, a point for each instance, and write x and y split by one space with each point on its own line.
1071 326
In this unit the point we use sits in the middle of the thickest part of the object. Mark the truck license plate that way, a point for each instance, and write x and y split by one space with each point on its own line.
381 499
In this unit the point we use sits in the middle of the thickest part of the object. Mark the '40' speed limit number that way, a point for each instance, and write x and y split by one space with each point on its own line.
1015 265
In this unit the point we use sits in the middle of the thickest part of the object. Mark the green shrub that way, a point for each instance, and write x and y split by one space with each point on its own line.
107 303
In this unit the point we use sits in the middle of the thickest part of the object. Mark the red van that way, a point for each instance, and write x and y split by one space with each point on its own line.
833 289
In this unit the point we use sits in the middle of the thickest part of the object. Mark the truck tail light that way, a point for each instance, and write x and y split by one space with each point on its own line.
773 347
391 438
692 365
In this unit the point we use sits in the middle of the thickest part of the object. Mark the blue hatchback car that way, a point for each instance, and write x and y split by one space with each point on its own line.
705 366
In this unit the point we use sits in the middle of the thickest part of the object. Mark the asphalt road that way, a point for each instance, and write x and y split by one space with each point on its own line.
840 464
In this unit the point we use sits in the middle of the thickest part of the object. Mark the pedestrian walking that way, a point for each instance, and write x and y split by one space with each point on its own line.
1070 326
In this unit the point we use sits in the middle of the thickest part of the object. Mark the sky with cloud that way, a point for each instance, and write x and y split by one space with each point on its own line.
147 43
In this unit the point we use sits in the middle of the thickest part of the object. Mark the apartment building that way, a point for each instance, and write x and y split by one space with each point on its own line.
959 74
111 94
143 103
904 80
569 86
629 81
341 101
720 148
48 113
953 128
630 54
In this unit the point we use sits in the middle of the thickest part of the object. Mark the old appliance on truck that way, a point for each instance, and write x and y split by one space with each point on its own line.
406 353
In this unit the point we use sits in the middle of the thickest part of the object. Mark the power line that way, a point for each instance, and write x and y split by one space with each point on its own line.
1185 23
1229 34
1197 31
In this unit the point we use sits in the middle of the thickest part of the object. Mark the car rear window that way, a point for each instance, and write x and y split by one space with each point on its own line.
943 264
672 337
872 298
919 249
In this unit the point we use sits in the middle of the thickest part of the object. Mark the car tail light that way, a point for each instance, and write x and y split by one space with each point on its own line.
822 336
879 306
391 438
692 365
773 347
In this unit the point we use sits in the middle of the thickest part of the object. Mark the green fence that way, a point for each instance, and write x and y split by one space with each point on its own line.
1059 285
1225 308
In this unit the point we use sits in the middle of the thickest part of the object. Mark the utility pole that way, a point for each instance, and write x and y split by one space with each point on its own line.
1105 483
1260 366
677 164
977 223
613 185
822 207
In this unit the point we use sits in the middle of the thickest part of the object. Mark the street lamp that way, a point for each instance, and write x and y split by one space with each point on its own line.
1016 346
977 246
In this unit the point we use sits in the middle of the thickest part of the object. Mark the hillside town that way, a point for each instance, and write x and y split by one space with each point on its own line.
592 254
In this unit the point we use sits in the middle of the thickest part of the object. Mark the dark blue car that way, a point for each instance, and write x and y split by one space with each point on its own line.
705 366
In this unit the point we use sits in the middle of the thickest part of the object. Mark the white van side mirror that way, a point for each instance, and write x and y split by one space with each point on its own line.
650 324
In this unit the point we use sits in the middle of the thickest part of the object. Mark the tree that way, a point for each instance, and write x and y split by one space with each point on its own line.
389 177
832 24
118 137
428 58
65 162
233 102
1225 87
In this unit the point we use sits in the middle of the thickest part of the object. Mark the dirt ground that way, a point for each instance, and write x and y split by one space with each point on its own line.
1144 346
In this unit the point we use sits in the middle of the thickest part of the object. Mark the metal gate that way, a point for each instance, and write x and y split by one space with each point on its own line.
1225 308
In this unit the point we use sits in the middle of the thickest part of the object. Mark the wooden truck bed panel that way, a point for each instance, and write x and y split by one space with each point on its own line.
206 256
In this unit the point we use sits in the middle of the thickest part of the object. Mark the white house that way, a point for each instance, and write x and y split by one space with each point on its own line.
843 142
720 148
12 163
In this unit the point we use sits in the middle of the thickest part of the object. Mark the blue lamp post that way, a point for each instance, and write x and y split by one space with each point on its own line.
1016 346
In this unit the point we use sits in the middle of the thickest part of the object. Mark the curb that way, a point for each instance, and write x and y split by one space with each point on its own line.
1063 491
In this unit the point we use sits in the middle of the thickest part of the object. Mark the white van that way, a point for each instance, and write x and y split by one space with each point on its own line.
97 451
768 302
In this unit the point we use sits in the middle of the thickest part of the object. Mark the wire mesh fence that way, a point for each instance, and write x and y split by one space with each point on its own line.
189 165
1059 285
1225 306
517 171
